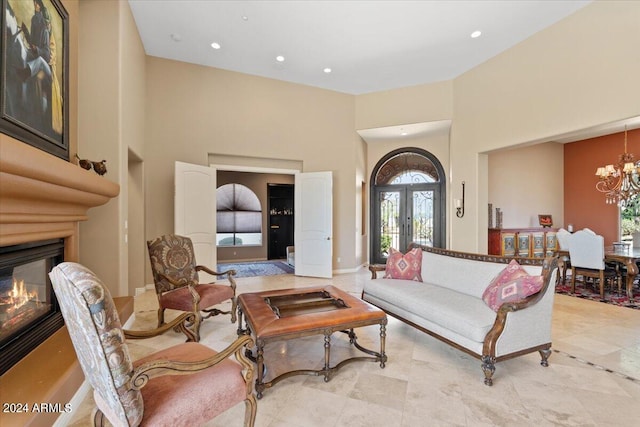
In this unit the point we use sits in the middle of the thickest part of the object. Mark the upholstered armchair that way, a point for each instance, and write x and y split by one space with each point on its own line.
175 275
187 384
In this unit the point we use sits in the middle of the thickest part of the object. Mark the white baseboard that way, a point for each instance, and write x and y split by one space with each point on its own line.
349 270
147 287
76 401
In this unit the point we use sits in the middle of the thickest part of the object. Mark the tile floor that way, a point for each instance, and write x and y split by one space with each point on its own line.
593 378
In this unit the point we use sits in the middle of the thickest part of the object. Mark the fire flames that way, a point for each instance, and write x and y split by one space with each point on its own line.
19 296
16 306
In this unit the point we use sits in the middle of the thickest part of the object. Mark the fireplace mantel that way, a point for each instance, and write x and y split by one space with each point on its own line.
43 197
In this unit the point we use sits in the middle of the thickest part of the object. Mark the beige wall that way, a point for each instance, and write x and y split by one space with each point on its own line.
415 104
525 182
193 111
578 73
111 122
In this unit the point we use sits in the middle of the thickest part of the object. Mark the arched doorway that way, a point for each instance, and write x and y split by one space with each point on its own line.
407 202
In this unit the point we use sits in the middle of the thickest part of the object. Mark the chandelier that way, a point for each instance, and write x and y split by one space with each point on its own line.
620 183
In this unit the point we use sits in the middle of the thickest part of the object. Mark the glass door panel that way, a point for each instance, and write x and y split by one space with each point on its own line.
422 217
389 222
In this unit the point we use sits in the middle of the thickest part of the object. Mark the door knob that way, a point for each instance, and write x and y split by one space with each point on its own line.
328 238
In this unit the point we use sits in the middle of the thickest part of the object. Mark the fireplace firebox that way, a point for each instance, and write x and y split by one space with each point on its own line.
29 311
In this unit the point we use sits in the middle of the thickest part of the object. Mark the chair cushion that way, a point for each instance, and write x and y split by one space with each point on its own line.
510 285
404 266
93 324
191 399
210 294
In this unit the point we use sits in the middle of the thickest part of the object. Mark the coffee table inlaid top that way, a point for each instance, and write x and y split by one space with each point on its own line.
284 312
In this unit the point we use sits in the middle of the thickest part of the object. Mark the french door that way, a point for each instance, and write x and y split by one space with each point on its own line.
403 214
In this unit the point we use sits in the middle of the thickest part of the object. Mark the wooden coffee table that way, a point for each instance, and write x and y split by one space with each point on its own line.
294 313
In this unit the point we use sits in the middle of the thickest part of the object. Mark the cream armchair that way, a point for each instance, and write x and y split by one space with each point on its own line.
187 384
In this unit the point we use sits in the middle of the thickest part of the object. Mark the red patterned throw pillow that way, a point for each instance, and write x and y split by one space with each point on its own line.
404 266
510 285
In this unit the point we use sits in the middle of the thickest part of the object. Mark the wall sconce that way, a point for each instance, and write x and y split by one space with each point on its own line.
460 204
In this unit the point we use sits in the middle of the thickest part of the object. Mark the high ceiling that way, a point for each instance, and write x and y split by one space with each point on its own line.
369 46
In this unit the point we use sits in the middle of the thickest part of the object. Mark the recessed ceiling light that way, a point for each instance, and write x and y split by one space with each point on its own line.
280 58
476 34
245 18
215 45
176 37
327 70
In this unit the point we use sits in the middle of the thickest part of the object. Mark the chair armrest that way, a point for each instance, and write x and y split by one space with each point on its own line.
179 324
228 273
143 373
374 268
215 273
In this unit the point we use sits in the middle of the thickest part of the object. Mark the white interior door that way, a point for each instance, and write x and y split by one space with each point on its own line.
195 212
313 224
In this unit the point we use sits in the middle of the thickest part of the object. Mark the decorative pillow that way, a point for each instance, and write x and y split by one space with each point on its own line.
404 266
512 284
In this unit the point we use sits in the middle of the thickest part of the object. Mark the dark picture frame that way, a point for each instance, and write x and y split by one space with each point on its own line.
545 220
34 74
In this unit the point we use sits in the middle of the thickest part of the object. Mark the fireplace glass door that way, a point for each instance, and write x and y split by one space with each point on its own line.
29 312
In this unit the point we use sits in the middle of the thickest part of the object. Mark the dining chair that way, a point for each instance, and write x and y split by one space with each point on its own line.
186 384
586 251
564 262
176 280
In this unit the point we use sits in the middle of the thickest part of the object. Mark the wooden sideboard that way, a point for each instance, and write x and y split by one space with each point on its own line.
534 242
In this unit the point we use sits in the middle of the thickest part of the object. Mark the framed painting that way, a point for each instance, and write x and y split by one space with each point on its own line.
34 74
545 220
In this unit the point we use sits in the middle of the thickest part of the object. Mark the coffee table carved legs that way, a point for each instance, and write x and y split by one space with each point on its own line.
275 316
327 371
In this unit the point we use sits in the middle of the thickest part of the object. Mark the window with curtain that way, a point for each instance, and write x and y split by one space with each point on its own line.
238 215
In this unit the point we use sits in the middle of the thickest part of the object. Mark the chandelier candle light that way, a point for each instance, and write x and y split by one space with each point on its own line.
620 183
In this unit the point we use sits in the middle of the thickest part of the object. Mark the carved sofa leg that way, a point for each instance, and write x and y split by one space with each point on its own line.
544 354
488 367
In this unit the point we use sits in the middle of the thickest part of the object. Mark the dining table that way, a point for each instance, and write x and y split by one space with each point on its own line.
628 257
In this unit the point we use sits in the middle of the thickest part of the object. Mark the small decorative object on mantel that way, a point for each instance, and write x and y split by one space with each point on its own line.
83 163
99 167
545 220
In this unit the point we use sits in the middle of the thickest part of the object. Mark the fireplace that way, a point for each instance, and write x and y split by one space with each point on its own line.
29 311
42 197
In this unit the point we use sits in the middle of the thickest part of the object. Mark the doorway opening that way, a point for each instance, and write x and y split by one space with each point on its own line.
407 202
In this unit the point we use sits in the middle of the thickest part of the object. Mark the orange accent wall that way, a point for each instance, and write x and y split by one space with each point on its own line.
584 206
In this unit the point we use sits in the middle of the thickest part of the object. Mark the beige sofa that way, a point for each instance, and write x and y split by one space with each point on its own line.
448 305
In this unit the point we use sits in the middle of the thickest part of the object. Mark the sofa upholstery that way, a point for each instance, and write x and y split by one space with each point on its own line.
448 305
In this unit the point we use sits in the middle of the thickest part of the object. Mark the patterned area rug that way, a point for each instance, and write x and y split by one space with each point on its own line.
263 268
591 293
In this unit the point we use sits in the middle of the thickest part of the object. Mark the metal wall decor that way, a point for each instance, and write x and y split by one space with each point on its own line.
460 204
